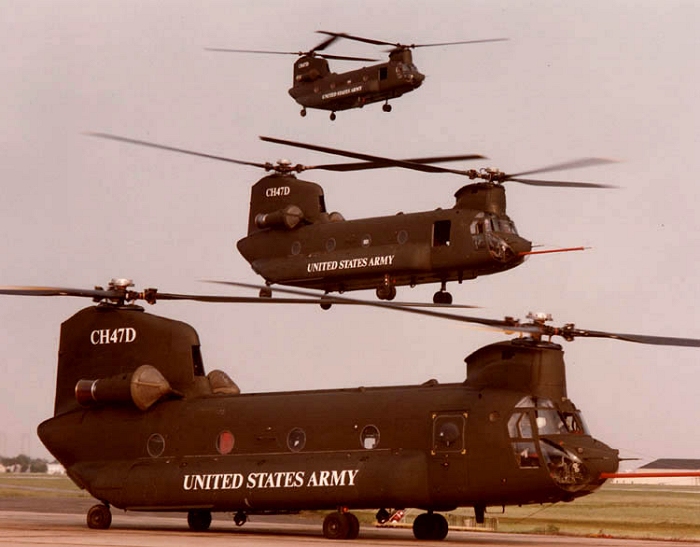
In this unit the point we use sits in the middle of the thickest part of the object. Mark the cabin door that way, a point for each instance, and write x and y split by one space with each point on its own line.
448 475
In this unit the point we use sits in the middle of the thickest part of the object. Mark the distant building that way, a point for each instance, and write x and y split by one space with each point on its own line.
55 468
665 466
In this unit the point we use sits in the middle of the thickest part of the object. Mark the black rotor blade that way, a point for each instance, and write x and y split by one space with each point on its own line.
638 338
382 162
357 38
377 165
564 166
59 291
266 166
560 183
297 53
461 42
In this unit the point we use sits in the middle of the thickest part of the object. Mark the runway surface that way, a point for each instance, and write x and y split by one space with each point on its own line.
24 528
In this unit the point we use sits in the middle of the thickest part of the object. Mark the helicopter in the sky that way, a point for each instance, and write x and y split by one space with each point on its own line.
294 240
141 425
315 86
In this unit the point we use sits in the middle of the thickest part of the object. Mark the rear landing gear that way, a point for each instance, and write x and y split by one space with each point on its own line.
303 112
99 517
442 296
430 526
240 518
332 116
386 107
341 525
199 520
387 290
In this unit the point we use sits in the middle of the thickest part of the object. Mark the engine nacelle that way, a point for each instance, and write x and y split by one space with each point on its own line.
144 387
287 218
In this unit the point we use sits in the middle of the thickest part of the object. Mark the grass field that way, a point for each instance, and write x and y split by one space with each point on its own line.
639 511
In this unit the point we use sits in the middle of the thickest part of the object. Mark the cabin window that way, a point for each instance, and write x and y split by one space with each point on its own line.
402 237
369 437
448 433
155 446
296 248
383 73
366 240
296 439
441 233
330 245
225 442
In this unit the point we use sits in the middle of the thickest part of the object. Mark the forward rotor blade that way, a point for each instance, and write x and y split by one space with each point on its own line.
377 165
462 42
356 38
639 338
560 183
382 162
565 166
266 166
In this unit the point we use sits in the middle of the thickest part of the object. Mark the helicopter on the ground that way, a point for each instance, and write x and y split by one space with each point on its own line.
294 240
315 86
141 426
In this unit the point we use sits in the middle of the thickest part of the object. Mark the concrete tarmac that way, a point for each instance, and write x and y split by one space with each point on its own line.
25 528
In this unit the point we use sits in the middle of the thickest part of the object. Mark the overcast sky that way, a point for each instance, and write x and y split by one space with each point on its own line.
601 78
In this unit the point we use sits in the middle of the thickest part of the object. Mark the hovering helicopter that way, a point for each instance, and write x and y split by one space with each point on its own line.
141 426
293 240
315 86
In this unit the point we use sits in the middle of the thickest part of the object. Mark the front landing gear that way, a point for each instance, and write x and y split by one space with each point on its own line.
430 526
303 112
99 517
332 116
386 107
199 520
442 296
341 525
387 290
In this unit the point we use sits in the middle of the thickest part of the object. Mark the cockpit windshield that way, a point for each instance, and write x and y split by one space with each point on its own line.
548 419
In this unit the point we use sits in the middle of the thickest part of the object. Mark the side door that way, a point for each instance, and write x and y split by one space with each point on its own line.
448 468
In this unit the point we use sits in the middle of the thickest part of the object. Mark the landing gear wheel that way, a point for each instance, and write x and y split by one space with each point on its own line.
354 526
332 116
303 112
386 107
442 297
336 526
99 517
240 518
325 305
430 526
199 520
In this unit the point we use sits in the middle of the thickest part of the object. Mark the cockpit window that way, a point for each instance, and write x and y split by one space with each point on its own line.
548 419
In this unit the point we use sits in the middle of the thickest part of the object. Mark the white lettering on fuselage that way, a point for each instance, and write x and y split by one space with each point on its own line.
341 92
350 264
280 479
277 192
121 335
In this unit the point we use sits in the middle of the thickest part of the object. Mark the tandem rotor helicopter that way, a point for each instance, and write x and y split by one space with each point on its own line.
315 86
293 240
141 425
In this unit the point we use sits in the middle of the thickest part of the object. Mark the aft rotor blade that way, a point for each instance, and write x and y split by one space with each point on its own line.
58 291
356 38
561 183
385 162
462 42
297 53
399 45
266 166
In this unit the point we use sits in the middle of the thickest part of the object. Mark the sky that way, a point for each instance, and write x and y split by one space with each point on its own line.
608 79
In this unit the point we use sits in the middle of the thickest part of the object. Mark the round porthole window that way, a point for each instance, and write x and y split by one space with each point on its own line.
296 440
330 244
155 445
296 248
402 237
369 437
366 240
225 442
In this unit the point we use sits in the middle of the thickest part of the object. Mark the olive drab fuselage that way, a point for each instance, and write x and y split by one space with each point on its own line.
507 435
315 86
293 240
